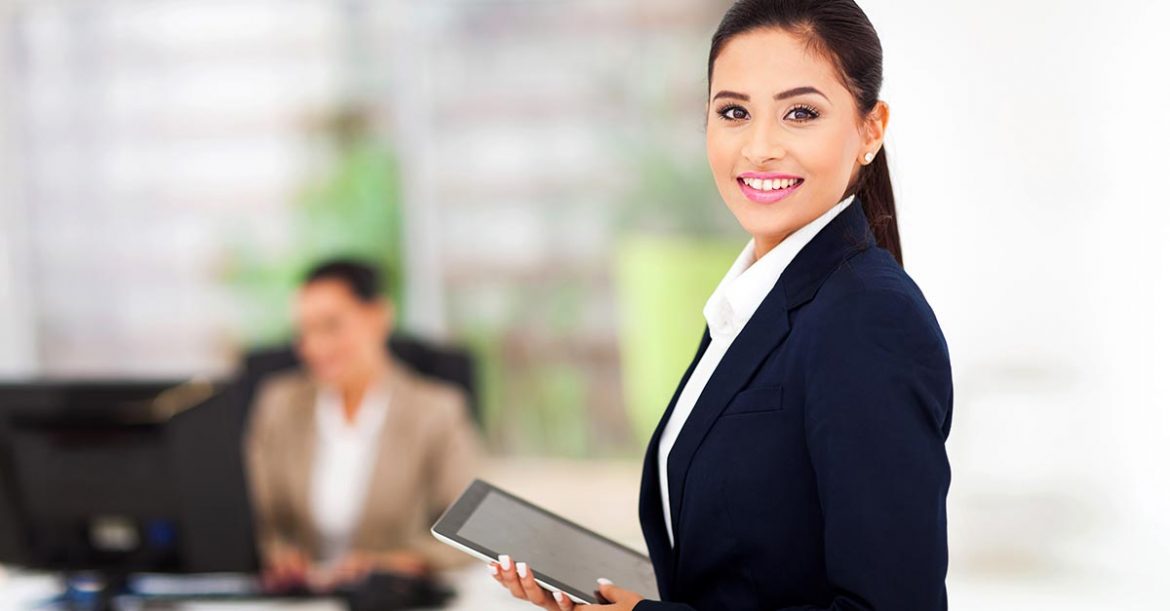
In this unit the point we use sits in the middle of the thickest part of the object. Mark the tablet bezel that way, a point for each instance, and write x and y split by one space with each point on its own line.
447 526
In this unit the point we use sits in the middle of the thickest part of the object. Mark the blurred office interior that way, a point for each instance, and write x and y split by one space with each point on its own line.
531 176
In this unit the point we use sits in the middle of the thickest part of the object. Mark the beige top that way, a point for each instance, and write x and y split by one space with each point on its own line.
427 453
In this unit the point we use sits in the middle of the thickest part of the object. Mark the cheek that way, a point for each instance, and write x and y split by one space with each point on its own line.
829 156
328 345
348 341
722 155
720 150
321 347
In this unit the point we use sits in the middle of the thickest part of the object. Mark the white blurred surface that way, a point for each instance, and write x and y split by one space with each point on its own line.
1029 145
603 496
1030 150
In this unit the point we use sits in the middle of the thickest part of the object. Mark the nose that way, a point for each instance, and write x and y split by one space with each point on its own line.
763 143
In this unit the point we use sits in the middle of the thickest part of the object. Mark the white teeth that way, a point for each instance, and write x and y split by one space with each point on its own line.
770 184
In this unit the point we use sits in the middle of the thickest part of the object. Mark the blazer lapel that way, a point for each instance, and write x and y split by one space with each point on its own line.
650 497
764 330
379 489
844 236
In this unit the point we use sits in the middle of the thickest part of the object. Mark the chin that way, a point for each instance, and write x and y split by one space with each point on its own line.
761 220
327 376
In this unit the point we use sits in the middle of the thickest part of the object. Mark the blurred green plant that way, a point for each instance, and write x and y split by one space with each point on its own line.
353 210
673 194
677 240
533 384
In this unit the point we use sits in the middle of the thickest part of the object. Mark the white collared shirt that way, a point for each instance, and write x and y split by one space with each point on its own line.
343 461
728 309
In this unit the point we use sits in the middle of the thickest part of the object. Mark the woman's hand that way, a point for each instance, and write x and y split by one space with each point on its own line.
286 567
357 565
518 579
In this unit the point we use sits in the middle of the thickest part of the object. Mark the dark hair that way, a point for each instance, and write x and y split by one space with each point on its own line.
839 31
362 279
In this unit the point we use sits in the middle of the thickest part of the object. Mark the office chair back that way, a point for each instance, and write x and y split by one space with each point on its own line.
450 364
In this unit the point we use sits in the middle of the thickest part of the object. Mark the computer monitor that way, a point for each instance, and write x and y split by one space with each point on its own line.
123 477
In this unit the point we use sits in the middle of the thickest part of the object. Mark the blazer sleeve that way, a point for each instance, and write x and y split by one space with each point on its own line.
452 455
877 414
270 503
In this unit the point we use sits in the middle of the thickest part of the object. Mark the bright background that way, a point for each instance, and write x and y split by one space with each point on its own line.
529 167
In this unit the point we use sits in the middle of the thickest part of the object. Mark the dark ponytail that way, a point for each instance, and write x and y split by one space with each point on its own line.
877 197
840 31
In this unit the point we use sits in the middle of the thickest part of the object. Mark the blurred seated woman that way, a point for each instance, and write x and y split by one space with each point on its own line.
351 459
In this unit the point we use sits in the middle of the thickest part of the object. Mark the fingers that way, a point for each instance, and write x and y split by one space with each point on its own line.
294 563
410 563
348 573
536 594
352 569
509 578
606 589
564 603
622 597
519 579
287 568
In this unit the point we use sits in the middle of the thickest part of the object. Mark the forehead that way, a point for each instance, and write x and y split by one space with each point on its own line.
326 290
768 60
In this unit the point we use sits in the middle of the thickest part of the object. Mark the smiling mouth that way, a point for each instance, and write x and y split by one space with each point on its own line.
768 190
766 185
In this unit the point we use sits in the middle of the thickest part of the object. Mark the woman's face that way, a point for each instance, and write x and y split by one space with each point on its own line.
339 337
784 139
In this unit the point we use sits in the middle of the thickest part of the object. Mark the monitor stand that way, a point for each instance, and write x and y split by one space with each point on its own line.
89 591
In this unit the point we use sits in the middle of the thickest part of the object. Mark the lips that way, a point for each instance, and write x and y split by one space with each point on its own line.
767 188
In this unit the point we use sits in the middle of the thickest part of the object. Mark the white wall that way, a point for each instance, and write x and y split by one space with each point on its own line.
1029 141
17 331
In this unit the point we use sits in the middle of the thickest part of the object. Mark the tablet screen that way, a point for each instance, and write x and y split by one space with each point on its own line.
567 555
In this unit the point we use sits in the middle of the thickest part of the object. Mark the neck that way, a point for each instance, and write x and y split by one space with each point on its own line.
763 244
354 389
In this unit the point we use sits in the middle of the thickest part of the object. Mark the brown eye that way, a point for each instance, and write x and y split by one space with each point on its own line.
803 113
733 113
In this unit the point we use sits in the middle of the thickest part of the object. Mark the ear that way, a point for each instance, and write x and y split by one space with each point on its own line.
382 314
874 130
390 313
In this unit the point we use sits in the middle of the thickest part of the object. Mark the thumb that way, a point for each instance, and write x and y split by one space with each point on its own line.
611 592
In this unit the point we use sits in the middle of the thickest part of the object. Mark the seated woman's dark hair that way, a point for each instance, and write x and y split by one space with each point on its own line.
361 278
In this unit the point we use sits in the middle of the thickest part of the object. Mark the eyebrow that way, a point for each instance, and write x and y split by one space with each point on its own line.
795 91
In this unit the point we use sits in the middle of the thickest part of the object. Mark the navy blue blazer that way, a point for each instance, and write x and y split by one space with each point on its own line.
812 473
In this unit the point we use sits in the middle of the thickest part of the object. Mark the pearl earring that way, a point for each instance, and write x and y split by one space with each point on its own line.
868 157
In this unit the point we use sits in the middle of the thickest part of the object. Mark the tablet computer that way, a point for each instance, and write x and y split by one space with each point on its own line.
486 522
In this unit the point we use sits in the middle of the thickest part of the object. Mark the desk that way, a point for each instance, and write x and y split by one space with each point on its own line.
552 483
21 591
571 488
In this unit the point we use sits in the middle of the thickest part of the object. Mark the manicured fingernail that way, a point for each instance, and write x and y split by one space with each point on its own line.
603 581
493 569
560 597
506 562
522 569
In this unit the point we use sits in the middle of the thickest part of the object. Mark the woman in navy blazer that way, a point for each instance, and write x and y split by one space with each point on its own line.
806 468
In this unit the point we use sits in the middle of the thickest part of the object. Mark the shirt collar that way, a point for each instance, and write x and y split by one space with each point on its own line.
748 281
374 404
